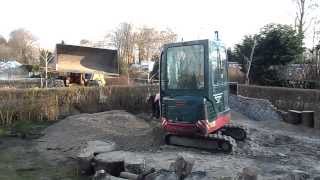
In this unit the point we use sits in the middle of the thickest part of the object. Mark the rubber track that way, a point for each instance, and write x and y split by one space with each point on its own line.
214 138
233 126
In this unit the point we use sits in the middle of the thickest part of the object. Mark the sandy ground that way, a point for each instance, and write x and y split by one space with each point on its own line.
20 160
274 148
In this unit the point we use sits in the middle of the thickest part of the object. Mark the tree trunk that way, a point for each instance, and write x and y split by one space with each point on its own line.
250 61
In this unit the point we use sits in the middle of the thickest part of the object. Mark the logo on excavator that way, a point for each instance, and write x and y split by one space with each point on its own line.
218 97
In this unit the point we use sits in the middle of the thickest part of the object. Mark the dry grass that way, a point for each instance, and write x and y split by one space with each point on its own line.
50 104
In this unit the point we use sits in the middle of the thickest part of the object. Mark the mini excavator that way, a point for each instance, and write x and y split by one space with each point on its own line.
194 108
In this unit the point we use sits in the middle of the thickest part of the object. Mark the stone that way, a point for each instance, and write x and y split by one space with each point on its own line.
87 154
120 161
102 175
248 173
97 147
282 155
162 175
183 165
255 109
109 177
297 175
197 176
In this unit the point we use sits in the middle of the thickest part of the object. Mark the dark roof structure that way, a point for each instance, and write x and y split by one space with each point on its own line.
71 58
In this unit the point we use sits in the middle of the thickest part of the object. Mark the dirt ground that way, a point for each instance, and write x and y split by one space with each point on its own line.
274 148
20 160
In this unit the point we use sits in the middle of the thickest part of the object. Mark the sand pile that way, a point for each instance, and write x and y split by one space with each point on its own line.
128 131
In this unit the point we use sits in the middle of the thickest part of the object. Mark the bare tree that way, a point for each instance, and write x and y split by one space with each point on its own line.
249 60
313 67
5 50
22 43
303 21
144 40
165 37
123 40
150 41
303 13
45 57
147 40
3 40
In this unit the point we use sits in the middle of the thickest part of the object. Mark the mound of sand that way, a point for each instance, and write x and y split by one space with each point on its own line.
67 137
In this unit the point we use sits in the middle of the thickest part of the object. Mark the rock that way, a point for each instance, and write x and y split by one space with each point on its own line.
197 176
162 175
297 175
97 147
102 175
248 173
109 177
226 178
183 165
99 175
128 175
91 149
255 109
117 161
281 155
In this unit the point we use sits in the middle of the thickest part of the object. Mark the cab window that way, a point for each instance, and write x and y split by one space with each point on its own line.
219 66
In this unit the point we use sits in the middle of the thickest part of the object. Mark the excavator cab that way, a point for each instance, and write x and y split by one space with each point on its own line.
194 88
194 83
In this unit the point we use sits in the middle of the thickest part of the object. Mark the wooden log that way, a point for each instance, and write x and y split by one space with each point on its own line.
294 117
308 118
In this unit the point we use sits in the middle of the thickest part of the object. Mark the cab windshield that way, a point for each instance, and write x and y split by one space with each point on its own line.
185 67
